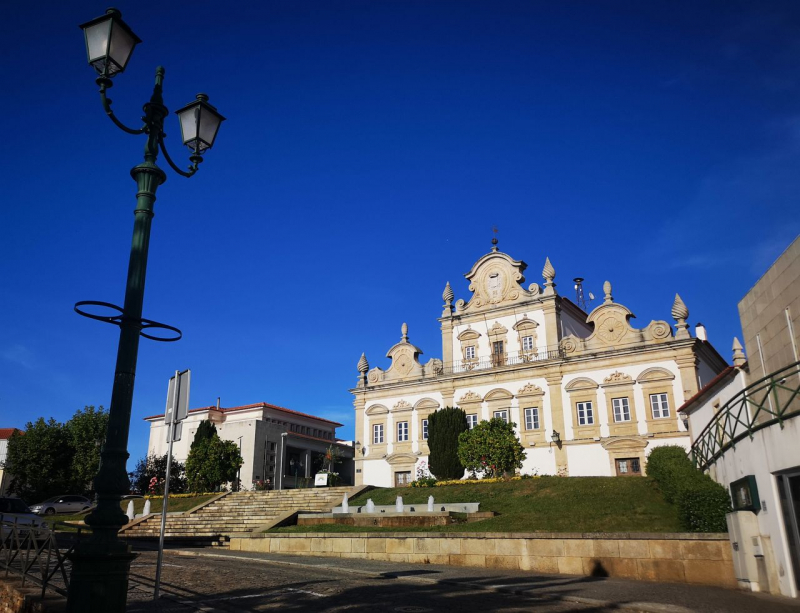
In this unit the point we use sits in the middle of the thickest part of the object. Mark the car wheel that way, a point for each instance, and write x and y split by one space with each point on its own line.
49 511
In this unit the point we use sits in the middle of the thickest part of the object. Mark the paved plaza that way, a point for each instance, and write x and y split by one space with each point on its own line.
217 580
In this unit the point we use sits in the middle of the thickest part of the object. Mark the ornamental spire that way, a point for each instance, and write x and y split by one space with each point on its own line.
680 313
739 358
404 332
447 294
549 274
607 291
363 365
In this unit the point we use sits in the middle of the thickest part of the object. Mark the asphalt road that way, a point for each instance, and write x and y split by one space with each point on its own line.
212 584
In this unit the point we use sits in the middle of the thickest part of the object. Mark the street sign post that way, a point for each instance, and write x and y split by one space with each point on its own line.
176 411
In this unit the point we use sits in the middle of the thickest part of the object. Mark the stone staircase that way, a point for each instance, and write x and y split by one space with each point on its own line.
235 513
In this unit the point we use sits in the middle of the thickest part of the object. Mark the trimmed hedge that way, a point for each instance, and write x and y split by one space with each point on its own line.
702 503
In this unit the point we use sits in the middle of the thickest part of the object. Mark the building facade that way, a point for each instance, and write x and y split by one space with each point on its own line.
5 476
746 434
279 446
589 393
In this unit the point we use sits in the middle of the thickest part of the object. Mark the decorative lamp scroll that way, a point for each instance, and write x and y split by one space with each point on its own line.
119 319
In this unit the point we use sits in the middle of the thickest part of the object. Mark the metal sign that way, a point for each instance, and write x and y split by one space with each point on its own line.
178 397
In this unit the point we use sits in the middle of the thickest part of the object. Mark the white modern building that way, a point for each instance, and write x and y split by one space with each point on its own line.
745 432
590 393
278 445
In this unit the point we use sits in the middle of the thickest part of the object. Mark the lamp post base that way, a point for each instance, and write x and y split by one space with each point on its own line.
99 580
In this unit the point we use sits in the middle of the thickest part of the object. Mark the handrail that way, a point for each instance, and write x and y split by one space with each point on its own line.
770 400
25 546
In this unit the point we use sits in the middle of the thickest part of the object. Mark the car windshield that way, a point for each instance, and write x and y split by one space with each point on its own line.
13 505
54 499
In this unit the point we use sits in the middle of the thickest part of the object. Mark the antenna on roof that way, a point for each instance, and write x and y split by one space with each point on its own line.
579 297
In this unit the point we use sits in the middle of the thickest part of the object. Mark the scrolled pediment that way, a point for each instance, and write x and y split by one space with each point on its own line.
468 335
401 458
530 390
633 443
401 406
498 329
499 394
470 397
525 324
618 378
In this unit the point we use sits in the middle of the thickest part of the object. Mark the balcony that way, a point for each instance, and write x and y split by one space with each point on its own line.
503 360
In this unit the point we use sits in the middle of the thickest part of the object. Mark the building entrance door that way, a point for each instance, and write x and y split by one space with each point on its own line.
498 354
402 479
628 467
789 493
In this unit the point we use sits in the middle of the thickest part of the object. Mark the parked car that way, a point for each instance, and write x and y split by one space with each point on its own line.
14 510
62 504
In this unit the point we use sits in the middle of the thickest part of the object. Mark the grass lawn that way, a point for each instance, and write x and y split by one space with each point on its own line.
543 504
175 505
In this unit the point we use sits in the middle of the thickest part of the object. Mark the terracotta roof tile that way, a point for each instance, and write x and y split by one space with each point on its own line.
5 433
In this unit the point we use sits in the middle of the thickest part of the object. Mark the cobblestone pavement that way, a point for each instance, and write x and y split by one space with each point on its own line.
192 583
219 580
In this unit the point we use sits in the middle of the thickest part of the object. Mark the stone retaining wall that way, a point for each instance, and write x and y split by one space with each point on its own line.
677 558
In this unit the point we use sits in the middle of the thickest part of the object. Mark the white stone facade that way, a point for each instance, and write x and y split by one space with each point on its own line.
590 378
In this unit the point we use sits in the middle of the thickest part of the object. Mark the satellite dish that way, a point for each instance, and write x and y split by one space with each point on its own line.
591 296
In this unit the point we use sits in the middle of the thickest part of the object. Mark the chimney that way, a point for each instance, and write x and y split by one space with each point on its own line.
700 332
217 403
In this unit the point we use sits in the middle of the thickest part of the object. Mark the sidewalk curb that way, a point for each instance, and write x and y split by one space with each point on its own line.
632 607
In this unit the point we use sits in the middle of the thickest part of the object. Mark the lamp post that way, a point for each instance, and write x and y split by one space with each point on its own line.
101 564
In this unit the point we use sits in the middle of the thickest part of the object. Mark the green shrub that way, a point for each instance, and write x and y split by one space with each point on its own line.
444 428
671 469
703 505
424 482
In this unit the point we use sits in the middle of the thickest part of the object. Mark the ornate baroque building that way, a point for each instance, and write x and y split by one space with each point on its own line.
591 395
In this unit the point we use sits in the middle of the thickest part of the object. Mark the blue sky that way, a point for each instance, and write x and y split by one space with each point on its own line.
369 149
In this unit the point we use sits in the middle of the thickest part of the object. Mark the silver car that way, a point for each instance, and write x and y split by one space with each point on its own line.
62 504
14 511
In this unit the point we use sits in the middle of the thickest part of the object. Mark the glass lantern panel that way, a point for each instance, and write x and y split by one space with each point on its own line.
209 124
97 36
122 44
188 118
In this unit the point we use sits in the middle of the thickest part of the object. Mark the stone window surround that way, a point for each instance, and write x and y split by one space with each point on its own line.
377 414
382 424
526 327
469 338
422 410
583 389
659 381
531 396
402 437
621 389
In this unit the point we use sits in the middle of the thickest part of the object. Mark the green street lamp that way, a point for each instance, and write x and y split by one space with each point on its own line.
101 563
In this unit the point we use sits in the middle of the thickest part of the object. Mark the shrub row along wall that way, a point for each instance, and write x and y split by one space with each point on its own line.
678 558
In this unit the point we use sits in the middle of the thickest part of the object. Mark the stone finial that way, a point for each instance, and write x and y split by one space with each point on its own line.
680 313
363 365
549 274
607 291
739 358
448 294
404 331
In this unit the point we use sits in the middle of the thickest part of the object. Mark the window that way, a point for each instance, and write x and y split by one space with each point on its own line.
501 415
627 467
498 355
660 405
585 414
402 431
425 429
472 420
377 434
532 418
469 352
527 343
622 412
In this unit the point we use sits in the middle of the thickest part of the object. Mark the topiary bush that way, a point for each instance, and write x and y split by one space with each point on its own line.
444 428
702 503
671 469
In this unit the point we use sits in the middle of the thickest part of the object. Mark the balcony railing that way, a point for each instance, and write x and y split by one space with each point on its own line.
501 360
769 401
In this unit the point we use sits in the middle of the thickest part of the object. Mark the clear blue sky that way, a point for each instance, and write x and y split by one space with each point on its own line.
369 150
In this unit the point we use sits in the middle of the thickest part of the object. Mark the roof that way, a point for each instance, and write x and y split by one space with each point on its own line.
258 405
722 376
336 442
5 433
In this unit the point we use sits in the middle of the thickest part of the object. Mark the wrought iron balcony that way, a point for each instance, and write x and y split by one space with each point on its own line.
502 360
769 401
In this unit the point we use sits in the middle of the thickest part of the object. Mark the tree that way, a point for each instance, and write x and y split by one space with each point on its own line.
211 463
491 448
205 431
156 466
40 460
87 433
444 428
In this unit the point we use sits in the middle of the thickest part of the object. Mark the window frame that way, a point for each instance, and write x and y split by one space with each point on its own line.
398 430
375 432
621 409
472 423
588 416
663 399
424 428
504 418
535 421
